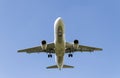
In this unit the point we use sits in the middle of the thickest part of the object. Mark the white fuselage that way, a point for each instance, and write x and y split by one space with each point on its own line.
59 41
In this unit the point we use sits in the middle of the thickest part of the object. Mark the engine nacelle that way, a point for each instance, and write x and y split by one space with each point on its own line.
44 45
76 44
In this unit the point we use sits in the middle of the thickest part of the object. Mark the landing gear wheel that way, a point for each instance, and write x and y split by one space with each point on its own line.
49 55
70 55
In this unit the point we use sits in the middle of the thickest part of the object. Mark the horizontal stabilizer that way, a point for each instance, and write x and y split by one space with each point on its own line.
50 67
67 66
64 66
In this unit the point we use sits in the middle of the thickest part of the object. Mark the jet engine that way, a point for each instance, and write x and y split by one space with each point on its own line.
44 45
76 44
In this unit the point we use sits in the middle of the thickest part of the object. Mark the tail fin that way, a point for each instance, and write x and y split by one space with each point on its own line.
55 66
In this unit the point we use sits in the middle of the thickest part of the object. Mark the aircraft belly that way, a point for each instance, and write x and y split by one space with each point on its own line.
60 49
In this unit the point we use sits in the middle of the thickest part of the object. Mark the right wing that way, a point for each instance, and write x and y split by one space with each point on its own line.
81 48
38 49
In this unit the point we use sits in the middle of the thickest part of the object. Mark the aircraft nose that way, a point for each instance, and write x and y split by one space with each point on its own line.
58 22
59 19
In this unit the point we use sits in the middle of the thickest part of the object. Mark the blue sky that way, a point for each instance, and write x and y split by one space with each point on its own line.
24 23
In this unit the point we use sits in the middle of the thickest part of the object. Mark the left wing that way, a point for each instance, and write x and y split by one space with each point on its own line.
81 48
38 49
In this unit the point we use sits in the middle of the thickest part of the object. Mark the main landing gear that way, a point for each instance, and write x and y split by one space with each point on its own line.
70 55
49 55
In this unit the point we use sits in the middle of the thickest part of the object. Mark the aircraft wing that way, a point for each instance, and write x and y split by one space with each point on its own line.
38 49
81 48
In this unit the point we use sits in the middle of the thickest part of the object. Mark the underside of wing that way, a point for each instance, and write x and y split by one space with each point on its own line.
32 50
81 48
88 48
38 49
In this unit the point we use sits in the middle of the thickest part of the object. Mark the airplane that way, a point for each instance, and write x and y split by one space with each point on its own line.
59 47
